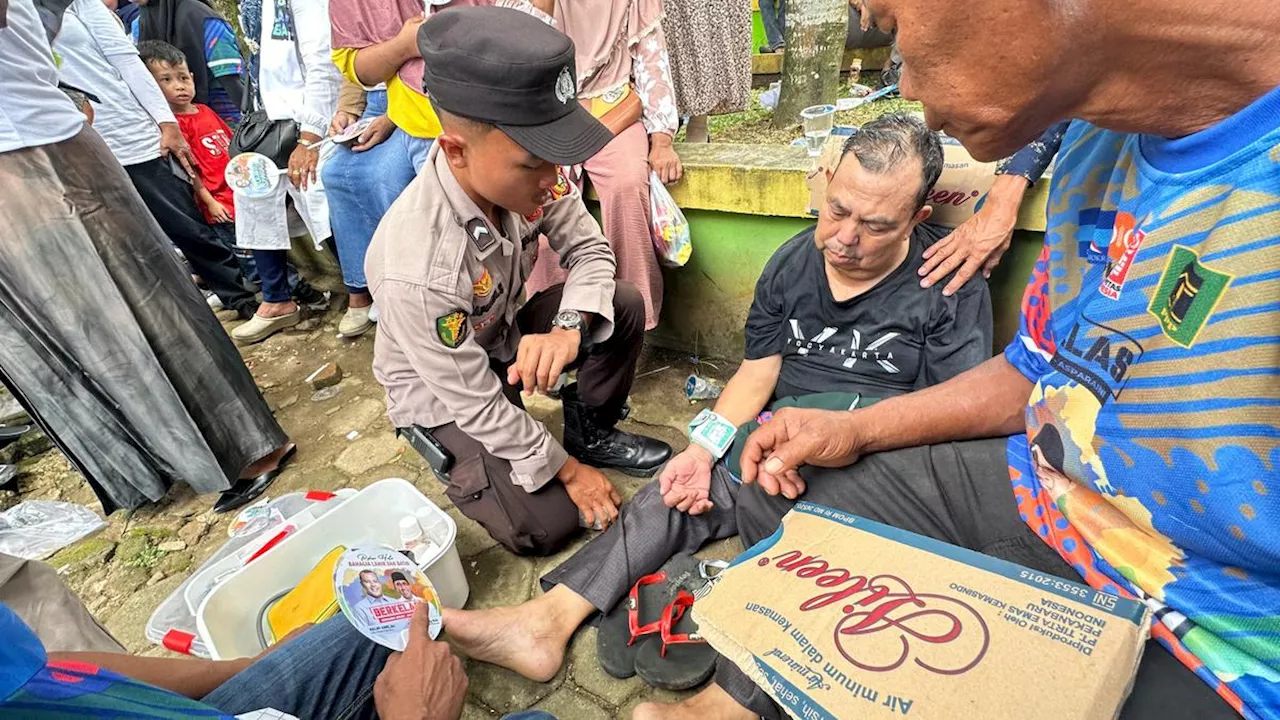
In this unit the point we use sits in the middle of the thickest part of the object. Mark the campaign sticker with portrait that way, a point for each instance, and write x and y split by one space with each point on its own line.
379 589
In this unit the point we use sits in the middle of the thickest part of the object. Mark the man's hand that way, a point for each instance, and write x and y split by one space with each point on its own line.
685 482
303 161
407 38
378 130
341 121
172 143
795 437
980 241
219 212
592 492
541 358
425 682
663 159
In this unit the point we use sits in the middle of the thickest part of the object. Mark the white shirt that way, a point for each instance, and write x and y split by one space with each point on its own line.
33 111
98 57
297 77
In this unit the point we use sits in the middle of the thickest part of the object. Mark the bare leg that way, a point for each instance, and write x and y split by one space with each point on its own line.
529 638
359 300
713 703
268 463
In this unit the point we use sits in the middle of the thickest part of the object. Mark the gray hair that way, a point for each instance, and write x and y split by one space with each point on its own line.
886 142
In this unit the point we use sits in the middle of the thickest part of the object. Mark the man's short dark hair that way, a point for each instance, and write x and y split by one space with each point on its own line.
889 140
160 51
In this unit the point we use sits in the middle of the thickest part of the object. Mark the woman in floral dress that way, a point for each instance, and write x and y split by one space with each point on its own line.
622 59
710 43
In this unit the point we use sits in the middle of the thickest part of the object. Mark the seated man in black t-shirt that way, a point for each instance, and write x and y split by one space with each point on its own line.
839 318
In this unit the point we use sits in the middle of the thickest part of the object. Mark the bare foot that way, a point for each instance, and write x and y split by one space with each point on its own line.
713 703
274 309
268 463
529 638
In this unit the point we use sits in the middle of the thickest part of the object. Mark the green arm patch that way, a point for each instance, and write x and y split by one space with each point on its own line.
452 328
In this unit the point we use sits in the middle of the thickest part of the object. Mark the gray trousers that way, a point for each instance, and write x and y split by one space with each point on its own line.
955 492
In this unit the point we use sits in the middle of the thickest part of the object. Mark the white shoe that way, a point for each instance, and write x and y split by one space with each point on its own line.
355 322
257 328
373 313
215 302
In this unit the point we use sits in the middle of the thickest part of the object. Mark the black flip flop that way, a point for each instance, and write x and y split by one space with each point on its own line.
680 658
635 620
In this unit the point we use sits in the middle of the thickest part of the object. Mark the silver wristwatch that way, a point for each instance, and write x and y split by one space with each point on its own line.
573 320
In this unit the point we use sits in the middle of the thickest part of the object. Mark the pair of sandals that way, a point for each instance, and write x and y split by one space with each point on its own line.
651 632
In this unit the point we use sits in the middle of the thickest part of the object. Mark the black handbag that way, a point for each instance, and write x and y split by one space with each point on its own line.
276 139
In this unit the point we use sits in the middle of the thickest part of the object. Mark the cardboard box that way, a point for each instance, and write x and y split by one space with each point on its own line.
955 197
837 616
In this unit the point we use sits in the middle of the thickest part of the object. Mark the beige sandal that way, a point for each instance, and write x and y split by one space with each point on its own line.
257 328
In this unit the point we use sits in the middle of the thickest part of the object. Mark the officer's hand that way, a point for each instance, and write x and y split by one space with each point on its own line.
592 492
424 681
795 437
685 482
541 358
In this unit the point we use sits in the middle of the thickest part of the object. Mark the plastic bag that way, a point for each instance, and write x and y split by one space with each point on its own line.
669 229
35 528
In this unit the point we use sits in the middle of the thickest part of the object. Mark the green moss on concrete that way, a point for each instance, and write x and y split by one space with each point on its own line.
89 551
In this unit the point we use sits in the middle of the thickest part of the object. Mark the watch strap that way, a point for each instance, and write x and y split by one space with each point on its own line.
712 432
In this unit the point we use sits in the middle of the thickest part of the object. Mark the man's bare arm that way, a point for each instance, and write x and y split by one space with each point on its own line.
379 63
987 401
190 677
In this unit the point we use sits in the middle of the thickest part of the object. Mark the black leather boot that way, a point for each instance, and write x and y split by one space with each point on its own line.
590 436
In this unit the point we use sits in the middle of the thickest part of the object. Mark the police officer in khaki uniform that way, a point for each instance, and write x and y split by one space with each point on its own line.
447 267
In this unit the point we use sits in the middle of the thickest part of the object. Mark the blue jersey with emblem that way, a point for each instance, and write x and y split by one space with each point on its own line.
1150 328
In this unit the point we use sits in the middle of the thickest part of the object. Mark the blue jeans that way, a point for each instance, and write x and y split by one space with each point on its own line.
774 21
327 672
361 187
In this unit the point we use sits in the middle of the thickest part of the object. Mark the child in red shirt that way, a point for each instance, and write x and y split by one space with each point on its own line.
209 138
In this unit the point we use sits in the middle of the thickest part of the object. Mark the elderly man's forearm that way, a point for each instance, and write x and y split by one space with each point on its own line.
987 401
190 677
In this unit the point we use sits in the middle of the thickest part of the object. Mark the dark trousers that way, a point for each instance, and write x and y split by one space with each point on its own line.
273 273
774 19
955 492
226 233
543 522
173 205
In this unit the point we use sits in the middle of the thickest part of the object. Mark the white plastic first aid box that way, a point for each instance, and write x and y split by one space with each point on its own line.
228 617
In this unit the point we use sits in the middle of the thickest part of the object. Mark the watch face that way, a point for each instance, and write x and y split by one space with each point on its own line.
569 319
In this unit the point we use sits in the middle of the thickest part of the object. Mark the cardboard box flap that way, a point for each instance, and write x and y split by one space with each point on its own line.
839 616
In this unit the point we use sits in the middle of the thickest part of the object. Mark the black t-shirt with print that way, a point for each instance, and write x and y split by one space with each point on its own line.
892 339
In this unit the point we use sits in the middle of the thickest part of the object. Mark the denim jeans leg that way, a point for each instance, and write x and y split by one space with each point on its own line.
327 672
273 269
774 21
361 187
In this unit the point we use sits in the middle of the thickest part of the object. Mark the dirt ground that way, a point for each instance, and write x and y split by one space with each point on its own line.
124 572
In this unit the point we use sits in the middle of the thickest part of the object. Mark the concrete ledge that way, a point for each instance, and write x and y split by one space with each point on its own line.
863 58
770 180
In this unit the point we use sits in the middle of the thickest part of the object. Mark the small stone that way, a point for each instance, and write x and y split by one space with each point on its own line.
368 453
307 325
268 384
287 402
156 577
326 394
193 532
326 375
187 510
98 587
172 546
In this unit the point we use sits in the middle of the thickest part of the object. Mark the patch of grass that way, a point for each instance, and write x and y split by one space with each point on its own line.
146 558
96 549
754 125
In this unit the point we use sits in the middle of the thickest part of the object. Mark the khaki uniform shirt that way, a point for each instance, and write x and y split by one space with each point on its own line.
448 285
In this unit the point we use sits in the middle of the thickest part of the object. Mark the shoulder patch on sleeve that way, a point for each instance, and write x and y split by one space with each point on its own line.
452 328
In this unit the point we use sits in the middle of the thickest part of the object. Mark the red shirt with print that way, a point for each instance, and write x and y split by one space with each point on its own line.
209 138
